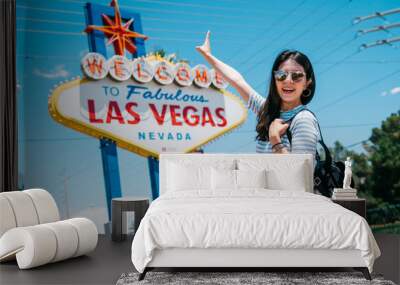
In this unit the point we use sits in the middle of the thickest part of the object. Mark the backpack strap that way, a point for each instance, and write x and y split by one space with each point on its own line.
292 118
328 157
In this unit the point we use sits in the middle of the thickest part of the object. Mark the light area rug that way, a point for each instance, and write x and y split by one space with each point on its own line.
232 278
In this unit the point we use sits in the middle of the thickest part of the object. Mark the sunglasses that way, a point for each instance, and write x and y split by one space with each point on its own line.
281 75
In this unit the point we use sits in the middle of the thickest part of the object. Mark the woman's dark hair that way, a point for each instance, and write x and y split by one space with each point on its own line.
272 106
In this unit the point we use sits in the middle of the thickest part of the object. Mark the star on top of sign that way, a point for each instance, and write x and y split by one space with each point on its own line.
117 33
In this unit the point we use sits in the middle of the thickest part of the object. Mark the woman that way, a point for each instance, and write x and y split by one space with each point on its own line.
291 88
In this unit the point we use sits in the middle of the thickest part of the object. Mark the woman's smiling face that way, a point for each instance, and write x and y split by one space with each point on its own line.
290 90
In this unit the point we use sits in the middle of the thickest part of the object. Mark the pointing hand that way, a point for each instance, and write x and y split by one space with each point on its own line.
205 48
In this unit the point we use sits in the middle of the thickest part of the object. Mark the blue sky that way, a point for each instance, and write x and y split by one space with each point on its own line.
353 95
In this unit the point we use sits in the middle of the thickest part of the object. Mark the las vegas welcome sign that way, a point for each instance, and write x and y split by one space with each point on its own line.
148 105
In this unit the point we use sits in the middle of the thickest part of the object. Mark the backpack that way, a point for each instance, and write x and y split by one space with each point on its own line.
328 174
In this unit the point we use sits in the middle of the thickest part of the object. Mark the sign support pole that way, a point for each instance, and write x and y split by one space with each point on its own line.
154 176
112 180
108 147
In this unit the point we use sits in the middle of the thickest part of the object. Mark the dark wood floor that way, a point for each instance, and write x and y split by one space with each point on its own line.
110 260
103 266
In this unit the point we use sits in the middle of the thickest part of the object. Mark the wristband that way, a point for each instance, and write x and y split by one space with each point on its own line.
278 147
275 145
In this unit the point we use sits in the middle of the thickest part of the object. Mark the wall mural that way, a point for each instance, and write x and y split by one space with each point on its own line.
106 86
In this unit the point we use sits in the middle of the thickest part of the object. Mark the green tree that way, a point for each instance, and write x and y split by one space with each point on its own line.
376 172
385 160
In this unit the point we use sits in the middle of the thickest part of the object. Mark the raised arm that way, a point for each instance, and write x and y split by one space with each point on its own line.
230 74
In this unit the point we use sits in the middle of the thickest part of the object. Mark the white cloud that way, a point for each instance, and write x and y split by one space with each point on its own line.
58 71
395 90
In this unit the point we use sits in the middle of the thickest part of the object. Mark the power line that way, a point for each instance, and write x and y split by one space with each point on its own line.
335 50
322 126
190 5
248 143
50 57
261 83
257 38
74 58
339 62
348 126
333 37
326 55
82 24
55 139
144 18
382 61
52 32
262 49
321 21
355 92
380 42
230 1
355 144
165 11
51 10
180 4
84 34
324 18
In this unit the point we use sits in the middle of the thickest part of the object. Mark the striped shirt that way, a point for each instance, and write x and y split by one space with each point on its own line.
304 128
